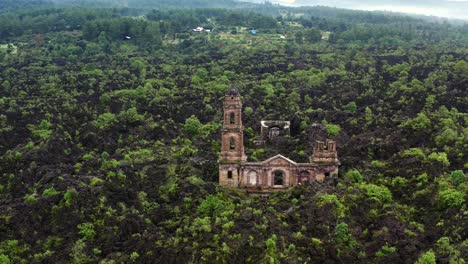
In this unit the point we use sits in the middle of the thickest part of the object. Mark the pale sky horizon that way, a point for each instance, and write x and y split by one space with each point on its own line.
457 9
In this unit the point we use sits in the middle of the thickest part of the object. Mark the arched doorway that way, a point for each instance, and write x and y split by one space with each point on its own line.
278 178
304 177
252 178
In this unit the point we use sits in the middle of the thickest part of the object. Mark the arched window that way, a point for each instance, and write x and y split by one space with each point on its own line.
232 119
278 177
232 144
252 177
274 132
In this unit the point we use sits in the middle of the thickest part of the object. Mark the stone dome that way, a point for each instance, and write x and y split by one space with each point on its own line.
233 92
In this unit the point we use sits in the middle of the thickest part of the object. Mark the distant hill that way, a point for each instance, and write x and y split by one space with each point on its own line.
149 3
7 5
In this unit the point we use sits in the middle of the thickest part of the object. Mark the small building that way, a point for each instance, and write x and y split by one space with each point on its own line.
198 29
253 32
275 173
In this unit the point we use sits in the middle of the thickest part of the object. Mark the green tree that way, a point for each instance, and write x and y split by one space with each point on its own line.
354 175
192 125
271 255
427 258
461 70
457 177
43 131
312 35
439 157
343 236
333 130
351 107
104 42
105 121
86 230
451 198
420 122
378 193
4 259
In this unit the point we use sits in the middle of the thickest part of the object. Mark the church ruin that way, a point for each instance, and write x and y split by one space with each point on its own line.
275 173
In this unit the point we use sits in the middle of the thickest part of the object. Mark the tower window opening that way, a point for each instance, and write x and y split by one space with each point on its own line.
232 144
232 118
229 174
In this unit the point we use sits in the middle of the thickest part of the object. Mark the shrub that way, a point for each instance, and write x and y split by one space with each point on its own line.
333 130
332 199
457 177
298 235
228 226
420 122
194 180
4 259
105 121
86 231
440 157
354 175
110 164
87 156
351 107
43 131
77 253
12 249
201 225
30 198
248 111
414 152
96 181
131 116
214 206
50 192
343 236
427 258
68 196
451 198
134 256
378 193
294 201
271 252
385 250
378 164
148 206
192 125
399 182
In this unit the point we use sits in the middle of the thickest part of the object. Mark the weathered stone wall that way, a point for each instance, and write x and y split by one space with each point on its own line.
277 172
229 170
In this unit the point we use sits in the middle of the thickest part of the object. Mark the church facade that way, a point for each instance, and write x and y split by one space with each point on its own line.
275 173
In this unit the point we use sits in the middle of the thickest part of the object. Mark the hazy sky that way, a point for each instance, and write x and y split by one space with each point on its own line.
442 8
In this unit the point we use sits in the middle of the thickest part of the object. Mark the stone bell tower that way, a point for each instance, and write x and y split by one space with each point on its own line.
232 140
325 152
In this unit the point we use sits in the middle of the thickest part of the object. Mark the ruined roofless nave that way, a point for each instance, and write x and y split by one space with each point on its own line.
275 173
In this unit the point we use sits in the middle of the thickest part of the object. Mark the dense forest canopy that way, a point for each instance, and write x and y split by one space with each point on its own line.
110 125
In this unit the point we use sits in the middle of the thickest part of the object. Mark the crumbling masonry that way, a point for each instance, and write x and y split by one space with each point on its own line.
275 173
